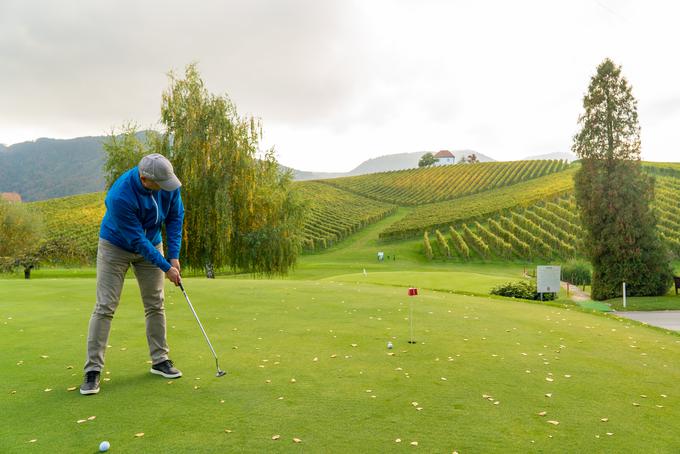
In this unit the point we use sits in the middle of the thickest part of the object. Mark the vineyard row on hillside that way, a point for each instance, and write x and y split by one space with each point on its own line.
434 184
333 214
480 206
549 229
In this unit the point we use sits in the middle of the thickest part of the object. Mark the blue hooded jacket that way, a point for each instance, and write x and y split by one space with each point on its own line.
134 216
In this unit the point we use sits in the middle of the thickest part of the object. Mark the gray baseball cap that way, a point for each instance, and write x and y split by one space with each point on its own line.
156 167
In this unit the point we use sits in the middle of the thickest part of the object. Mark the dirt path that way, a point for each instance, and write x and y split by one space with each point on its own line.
576 294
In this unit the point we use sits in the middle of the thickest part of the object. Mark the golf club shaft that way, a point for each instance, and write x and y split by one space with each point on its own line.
200 325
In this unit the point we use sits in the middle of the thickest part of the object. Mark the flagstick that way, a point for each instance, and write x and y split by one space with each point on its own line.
412 341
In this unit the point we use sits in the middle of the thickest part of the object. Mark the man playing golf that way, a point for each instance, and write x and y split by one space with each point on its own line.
137 205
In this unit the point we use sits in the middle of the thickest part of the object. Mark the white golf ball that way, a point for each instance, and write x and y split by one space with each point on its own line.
104 446
389 345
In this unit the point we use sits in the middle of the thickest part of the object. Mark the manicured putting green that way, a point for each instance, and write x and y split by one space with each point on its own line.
307 360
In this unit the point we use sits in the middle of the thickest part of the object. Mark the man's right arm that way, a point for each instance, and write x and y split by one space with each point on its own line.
128 225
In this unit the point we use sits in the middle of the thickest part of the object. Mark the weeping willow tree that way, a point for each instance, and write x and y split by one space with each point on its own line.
240 210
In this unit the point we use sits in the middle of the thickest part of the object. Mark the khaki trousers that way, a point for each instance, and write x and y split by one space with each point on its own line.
112 264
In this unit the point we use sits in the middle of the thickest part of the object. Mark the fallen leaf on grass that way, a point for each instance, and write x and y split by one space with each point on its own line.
543 413
635 404
548 395
554 423
292 380
32 441
276 437
80 421
228 431
414 443
48 390
44 356
139 435
398 440
297 440
72 388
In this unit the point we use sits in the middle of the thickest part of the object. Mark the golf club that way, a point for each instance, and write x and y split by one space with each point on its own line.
220 372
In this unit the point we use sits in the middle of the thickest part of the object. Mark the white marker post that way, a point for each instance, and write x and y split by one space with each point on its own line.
624 295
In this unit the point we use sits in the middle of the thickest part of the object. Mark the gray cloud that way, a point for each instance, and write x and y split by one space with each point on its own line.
340 81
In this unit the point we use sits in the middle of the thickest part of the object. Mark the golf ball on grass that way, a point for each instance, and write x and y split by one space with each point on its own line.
104 446
389 345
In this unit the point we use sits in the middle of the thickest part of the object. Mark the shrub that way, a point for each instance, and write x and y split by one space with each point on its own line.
521 289
577 272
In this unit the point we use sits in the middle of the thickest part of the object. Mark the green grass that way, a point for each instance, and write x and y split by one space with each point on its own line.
647 303
273 329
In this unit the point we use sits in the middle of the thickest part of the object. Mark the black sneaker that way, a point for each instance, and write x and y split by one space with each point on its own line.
90 383
166 369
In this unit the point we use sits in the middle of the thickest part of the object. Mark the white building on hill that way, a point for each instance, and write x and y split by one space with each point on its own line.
444 157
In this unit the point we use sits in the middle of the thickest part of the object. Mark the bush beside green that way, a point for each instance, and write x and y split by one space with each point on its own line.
522 289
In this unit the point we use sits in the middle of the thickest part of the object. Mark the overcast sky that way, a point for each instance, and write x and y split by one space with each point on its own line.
338 82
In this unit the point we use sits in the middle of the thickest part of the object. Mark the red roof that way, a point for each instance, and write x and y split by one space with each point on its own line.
444 154
10 196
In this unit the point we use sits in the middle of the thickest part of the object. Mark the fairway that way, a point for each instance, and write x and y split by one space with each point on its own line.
308 360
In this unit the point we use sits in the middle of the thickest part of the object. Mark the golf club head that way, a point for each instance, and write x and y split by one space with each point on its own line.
220 373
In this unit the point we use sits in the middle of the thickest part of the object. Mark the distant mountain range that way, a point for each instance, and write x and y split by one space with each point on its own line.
399 161
564 155
50 168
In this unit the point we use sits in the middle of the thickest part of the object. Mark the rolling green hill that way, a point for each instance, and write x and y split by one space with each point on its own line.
530 219
415 187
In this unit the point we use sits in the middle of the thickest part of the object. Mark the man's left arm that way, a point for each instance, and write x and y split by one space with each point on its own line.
173 228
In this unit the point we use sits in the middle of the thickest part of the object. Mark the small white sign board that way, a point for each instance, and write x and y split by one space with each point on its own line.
548 279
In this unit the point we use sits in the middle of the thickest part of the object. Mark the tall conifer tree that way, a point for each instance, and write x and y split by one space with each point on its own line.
614 195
